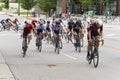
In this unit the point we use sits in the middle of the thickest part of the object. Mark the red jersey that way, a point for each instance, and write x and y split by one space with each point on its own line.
94 28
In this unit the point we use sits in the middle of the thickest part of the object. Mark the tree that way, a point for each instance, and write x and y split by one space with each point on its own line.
101 3
46 5
86 3
6 4
18 1
28 4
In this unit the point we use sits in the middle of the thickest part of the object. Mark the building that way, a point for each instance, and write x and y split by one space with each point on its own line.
112 5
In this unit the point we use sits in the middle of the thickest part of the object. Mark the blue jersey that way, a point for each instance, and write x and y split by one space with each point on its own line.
57 28
40 29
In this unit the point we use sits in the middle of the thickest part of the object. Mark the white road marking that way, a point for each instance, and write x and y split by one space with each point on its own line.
69 56
110 35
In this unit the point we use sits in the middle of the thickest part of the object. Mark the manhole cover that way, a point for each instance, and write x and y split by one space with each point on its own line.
50 65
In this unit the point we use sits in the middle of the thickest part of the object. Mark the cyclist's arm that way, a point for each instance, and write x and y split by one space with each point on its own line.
89 34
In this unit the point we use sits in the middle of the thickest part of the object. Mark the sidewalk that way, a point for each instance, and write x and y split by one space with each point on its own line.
5 73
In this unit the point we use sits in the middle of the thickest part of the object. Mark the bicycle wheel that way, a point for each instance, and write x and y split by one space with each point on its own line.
58 50
24 51
40 46
89 59
79 46
66 37
95 58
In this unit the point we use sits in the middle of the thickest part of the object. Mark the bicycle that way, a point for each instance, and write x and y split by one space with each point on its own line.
40 37
68 37
94 53
49 38
25 47
77 44
58 44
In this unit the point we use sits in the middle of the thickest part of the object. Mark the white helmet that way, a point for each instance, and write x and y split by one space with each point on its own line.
100 22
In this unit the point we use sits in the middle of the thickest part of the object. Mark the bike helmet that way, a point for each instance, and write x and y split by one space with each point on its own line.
27 22
57 21
48 21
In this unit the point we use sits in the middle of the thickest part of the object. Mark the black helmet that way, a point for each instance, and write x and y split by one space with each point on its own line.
48 21
26 22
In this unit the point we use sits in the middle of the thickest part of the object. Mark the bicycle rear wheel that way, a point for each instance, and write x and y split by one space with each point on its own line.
79 46
58 50
24 52
95 58
40 46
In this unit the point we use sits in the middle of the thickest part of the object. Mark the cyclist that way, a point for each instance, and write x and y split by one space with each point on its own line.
16 23
27 30
9 23
40 28
48 27
57 30
94 30
33 22
76 30
70 25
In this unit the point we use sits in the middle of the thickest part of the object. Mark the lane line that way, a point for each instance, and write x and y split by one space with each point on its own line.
74 58
110 47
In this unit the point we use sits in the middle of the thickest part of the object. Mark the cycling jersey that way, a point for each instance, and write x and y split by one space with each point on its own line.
77 29
40 29
27 29
57 28
94 29
70 25
48 27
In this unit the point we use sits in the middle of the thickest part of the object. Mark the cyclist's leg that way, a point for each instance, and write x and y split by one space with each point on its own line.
60 38
88 46
29 36
23 41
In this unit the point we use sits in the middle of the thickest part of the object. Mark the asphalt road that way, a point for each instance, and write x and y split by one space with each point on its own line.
68 65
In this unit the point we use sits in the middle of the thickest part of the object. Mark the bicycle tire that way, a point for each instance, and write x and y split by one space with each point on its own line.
40 46
89 58
79 46
58 50
96 58
24 53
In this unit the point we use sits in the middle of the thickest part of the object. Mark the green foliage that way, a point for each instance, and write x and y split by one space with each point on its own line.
86 3
28 4
2 6
6 4
22 13
46 5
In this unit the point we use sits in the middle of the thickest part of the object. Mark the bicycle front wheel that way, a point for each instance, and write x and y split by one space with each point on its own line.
96 58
